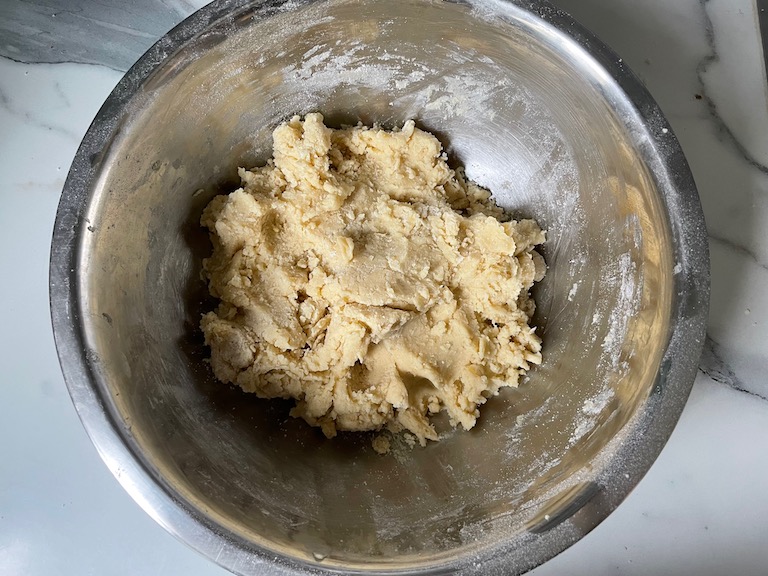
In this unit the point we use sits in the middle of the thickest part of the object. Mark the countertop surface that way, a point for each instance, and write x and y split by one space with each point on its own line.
702 509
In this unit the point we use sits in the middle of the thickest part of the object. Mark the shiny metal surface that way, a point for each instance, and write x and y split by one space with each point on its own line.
540 112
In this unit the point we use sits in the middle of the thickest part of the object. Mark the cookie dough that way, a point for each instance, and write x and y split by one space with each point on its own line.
361 276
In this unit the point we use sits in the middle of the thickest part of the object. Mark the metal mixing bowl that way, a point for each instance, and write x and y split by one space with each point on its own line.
540 112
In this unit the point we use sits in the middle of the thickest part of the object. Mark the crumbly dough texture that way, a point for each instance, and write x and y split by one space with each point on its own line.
361 276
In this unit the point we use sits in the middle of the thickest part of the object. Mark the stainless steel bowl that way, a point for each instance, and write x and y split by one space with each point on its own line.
539 111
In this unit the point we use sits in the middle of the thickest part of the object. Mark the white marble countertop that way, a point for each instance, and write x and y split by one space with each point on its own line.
701 510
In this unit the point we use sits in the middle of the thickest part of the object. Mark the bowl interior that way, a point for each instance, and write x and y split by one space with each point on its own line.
533 118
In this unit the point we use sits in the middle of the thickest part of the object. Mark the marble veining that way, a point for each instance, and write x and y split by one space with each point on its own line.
733 65
737 229
111 33
32 118
730 62
699 510
702 61
741 250
713 366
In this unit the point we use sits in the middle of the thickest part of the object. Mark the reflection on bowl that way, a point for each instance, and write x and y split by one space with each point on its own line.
541 113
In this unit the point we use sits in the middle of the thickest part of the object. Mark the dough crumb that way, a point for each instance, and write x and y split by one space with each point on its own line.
380 444
362 277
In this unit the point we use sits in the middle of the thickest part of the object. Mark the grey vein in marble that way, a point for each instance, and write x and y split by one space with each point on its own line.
739 249
722 127
727 136
111 33
762 18
713 365
7 104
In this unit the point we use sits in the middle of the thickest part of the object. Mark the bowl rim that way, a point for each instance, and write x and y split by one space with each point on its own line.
545 540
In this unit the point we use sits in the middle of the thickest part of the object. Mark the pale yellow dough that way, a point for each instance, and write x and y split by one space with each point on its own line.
361 276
